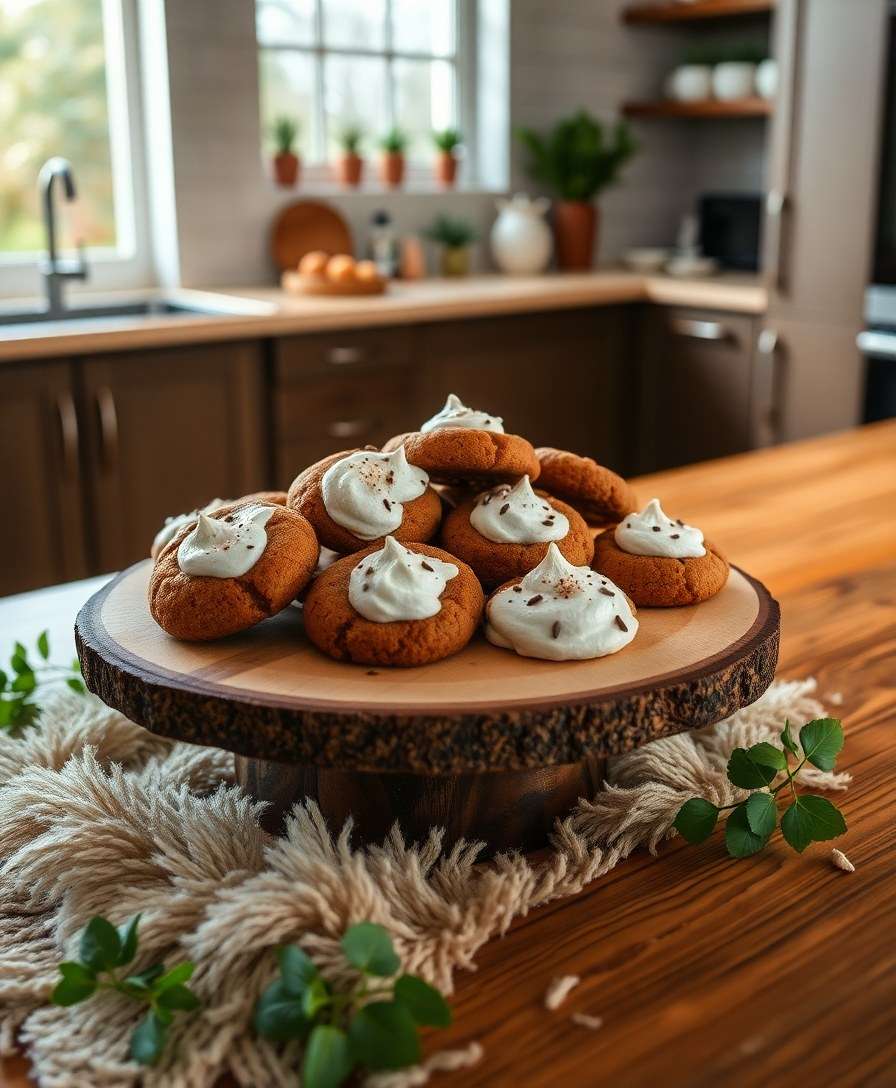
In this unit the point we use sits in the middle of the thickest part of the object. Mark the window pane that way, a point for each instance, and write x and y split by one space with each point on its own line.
424 100
355 23
284 22
287 90
423 26
53 102
355 94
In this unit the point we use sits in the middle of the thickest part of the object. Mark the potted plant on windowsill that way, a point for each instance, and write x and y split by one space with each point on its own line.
577 160
454 236
286 161
447 142
350 165
392 147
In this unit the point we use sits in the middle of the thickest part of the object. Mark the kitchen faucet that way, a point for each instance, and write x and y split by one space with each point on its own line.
55 270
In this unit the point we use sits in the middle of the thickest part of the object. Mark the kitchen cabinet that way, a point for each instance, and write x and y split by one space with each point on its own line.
559 378
164 431
43 539
700 394
818 228
336 391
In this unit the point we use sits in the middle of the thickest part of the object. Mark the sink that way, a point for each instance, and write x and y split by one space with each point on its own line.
205 303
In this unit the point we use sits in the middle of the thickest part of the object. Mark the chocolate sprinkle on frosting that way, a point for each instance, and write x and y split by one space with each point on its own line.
675 536
620 623
387 504
534 600
517 589
656 528
504 509
607 592
555 630
426 566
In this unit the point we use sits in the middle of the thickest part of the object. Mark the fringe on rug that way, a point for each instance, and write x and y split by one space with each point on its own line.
97 816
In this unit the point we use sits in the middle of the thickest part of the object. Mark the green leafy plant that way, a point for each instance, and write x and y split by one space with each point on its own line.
752 821
285 132
447 139
578 158
350 139
451 232
373 1025
395 141
105 951
19 690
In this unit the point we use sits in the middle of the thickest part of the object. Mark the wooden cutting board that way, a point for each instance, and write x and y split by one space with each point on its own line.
305 226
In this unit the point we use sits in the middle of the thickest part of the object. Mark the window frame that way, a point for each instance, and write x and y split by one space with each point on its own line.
129 263
418 176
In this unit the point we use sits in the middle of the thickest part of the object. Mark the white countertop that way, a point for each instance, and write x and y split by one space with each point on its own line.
269 311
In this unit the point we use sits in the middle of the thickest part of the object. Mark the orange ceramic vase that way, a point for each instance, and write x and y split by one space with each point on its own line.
286 169
575 230
446 169
392 169
349 169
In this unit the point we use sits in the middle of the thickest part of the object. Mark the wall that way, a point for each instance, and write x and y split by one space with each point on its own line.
562 56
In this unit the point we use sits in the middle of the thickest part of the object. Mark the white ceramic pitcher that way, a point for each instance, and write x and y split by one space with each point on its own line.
520 239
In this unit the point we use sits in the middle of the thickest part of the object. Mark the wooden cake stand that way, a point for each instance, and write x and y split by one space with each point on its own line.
487 744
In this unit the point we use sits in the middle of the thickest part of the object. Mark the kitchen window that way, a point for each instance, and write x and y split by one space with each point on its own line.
65 89
375 64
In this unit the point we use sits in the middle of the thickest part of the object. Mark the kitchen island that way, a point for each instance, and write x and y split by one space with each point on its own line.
707 970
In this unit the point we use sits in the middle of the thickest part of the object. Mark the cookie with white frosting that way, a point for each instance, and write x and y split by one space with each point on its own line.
462 445
598 493
231 569
660 561
504 532
560 612
394 605
359 497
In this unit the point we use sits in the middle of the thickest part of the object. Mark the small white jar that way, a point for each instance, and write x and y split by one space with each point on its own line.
733 80
767 78
689 83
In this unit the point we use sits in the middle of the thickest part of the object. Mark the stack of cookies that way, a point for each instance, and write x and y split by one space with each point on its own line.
394 551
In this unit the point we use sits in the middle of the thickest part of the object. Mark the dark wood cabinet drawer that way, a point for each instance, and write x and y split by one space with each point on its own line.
351 352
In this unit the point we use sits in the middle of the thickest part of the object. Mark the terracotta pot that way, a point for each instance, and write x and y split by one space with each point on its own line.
455 260
392 169
575 228
286 169
349 169
446 169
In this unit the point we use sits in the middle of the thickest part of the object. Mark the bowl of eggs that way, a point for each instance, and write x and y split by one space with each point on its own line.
320 273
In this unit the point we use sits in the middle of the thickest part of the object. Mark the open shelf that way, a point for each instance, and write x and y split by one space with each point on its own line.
744 107
678 12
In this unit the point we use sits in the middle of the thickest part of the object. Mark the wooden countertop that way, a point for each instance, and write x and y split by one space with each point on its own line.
706 970
271 312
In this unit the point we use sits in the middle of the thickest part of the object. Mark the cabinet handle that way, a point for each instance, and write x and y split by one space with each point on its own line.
68 429
108 417
345 356
776 205
701 330
348 428
765 389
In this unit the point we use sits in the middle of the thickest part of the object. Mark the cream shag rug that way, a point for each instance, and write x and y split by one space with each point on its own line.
98 816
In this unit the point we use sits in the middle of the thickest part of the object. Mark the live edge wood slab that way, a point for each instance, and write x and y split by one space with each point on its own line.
488 744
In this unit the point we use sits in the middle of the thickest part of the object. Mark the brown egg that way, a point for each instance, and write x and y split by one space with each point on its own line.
313 263
366 271
341 269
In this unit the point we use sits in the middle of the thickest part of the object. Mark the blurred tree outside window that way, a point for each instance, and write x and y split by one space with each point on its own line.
331 64
53 101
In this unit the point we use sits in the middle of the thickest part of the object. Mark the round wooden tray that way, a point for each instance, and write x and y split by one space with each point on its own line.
415 743
297 284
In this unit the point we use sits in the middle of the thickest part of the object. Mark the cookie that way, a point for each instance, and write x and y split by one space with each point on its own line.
461 456
356 498
529 522
173 525
279 544
598 494
399 580
657 581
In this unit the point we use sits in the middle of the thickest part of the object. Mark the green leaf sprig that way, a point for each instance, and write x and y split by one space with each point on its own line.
373 1025
104 951
18 692
751 822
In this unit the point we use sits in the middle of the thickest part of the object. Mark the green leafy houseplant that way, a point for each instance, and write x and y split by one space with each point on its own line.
350 139
393 145
394 142
447 140
373 1026
752 821
350 165
455 236
105 951
286 162
28 678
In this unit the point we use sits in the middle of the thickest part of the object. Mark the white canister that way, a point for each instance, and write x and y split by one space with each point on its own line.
689 83
733 80
521 240
767 78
